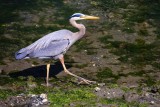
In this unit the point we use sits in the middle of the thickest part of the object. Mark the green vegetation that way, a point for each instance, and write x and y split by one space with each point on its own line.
150 81
62 94
134 53
128 30
106 74
82 45
24 21
76 96
122 103
11 87
6 93
143 32
157 32
138 73
85 45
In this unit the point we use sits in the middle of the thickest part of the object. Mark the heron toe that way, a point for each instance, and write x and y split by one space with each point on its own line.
85 81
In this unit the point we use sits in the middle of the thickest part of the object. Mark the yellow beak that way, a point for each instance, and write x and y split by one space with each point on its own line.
90 17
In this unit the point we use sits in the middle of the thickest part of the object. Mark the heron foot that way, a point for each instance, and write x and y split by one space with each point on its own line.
82 80
85 81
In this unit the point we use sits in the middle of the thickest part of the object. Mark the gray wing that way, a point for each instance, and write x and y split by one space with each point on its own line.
47 46
53 49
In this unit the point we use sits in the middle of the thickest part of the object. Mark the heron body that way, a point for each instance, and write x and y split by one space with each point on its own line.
54 45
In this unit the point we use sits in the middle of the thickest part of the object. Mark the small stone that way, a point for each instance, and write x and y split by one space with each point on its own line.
105 32
111 15
32 65
32 95
37 25
32 85
101 84
72 105
131 96
94 65
152 102
113 92
44 101
147 94
43 96
108 93
37 104
97 89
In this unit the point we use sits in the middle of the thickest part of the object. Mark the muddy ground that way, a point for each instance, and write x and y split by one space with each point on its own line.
120 52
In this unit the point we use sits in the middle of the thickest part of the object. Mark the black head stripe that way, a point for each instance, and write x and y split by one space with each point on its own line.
76 15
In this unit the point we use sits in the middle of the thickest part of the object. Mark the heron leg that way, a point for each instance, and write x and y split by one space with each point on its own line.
47 77
80 78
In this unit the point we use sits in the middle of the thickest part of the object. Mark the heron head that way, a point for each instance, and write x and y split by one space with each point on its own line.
80 16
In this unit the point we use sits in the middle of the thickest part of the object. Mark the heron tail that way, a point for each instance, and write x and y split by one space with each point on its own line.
21 54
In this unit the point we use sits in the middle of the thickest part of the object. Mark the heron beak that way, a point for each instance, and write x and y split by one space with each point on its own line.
90 17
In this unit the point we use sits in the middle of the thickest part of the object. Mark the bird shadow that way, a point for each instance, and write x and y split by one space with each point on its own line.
40 71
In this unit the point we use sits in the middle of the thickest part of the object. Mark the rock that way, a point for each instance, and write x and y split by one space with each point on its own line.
22 100
151 98
72 105
111 15
101 84
106 105
97 89
31 84
94 65
148 68
115 93
131 96
37 100
44 101
44 96
155 89
105 92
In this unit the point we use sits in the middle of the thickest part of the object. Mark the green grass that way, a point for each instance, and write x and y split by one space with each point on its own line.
63 93
75 96
138 73
138 53
122 103
82 45
157 32
128 26
128 30
11 87
6 93
14 34
109 5
106 73
143 32
150 81
156 64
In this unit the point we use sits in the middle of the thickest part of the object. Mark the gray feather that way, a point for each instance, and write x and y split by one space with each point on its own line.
50 45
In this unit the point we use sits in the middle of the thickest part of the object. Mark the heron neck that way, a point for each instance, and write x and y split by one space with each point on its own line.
81 27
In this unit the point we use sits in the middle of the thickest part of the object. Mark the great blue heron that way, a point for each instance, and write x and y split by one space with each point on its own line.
54 45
